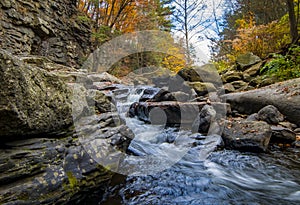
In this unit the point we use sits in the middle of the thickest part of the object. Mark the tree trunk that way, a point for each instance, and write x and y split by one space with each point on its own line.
293 21
186 33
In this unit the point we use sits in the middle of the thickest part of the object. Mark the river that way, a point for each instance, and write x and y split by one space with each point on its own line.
167 167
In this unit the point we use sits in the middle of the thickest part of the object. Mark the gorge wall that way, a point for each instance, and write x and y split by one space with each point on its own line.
52 29
42 160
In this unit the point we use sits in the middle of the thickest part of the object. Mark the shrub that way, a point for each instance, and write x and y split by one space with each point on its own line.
284 67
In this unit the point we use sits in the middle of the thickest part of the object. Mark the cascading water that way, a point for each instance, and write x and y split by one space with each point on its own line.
200 174
154 148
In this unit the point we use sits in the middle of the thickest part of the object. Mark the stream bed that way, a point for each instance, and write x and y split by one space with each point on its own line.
167 167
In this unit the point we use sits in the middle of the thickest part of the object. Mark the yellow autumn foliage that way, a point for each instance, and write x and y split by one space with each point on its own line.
260 39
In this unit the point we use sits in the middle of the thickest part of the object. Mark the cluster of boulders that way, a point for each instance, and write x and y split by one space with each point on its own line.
245 74
258 130
277 105
195 99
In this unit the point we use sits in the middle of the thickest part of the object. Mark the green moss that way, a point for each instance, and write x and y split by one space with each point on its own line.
73 182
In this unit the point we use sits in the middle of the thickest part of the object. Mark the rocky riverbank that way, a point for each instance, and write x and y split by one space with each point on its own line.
58 122
63 123
198 99
44 158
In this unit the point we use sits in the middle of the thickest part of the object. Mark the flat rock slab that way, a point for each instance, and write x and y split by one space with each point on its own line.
284 95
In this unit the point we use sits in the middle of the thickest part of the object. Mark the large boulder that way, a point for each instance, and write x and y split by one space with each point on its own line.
206 121
189 74
243 135
33 101
101 102
206 73
285 96
253 70
231 76
244 61
156 95
202 88
270 114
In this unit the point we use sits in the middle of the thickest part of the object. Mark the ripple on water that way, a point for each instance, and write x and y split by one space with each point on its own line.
225 177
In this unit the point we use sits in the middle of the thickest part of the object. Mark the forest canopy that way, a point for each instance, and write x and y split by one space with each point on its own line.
259 27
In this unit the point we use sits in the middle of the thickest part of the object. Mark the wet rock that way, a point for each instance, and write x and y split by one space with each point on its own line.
285 96
33 101
163 95
251 136
246 60
209 143
121 94
150 93
156 95
206 121
100 101
270 114
172 113
282 135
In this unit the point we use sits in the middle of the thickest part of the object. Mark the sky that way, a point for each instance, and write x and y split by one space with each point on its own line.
202 44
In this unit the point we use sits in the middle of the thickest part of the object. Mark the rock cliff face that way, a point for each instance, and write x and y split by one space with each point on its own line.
46 28
43 160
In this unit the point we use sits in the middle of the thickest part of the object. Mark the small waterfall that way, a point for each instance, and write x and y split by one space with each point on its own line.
154 147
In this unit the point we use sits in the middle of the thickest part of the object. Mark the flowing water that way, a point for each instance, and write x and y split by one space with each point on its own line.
169 168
